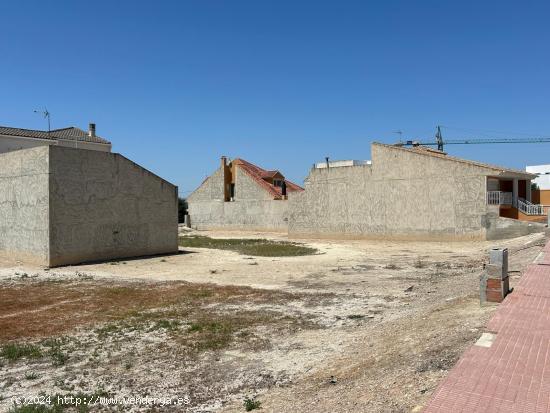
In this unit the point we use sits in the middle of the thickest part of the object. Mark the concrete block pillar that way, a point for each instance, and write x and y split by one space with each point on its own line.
187 221
494 282
528 190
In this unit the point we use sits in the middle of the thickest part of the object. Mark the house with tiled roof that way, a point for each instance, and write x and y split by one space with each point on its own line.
13 139
241 195
415 194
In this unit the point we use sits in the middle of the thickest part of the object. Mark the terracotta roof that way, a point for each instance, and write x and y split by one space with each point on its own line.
257 174
70 134
271 174
423 150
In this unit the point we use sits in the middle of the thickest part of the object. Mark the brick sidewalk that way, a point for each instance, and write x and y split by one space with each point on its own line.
513 374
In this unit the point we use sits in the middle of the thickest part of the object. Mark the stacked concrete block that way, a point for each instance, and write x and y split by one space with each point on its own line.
494 282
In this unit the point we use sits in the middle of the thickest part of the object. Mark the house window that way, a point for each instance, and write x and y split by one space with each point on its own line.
278 182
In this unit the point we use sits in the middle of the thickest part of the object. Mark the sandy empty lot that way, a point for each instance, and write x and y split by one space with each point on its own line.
359 326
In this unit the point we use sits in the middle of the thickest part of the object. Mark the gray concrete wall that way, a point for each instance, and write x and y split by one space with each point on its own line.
211 189
24 205
247 189
402 195
252 215
253 208
502 228
104 206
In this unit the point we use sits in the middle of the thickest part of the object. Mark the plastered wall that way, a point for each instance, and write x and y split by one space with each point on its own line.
24 205
63 206
103 206
402 195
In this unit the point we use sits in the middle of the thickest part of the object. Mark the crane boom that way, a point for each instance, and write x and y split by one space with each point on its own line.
440 142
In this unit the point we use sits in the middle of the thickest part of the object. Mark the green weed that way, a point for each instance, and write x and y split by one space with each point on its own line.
15 351
252 246
251 404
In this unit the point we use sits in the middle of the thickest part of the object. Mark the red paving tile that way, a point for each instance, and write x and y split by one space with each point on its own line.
513 375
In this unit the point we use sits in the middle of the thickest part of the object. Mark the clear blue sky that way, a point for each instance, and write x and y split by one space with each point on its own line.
176 84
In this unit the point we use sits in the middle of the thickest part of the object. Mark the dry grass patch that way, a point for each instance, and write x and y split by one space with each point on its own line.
249 246
35 309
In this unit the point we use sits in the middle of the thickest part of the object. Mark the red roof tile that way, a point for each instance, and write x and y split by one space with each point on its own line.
271 174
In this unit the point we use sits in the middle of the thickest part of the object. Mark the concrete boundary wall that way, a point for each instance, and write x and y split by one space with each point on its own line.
83 206
105 206
403 195
252 215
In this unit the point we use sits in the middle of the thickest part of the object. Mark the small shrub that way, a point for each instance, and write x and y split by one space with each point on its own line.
194 327
31 375
59 358
251 404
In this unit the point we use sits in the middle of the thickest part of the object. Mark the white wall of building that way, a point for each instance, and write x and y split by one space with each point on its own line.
338 164
543 180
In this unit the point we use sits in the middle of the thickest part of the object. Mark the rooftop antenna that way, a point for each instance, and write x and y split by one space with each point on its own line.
400 133
439 139
46 115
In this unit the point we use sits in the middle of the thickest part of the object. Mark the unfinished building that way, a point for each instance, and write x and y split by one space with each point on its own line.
417 193
62 206
241 195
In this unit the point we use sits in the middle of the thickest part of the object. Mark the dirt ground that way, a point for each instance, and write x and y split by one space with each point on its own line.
360 326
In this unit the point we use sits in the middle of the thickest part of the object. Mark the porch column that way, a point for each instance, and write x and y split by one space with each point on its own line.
515 192
528 190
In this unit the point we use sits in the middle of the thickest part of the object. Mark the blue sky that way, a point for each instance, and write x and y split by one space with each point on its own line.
176 84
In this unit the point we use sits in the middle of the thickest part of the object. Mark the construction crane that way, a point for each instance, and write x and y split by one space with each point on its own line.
440 142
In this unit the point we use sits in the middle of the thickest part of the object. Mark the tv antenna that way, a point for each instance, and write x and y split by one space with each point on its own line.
46 115
400 133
